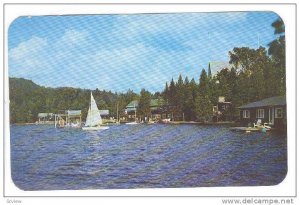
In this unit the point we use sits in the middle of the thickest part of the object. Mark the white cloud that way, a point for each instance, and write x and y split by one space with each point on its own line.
73 37
37 55
27 48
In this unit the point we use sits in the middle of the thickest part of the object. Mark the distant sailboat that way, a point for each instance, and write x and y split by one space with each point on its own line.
93 119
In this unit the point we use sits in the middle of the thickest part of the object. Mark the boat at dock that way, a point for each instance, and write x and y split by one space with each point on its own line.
93 119
151 122
251 129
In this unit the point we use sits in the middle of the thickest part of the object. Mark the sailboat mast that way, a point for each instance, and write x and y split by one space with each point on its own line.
90 107
91 99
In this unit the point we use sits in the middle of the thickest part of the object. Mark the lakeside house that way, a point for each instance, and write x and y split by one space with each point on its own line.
130 110
223 111
158 110
270 110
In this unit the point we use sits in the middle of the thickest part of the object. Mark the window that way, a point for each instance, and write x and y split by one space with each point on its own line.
260 113
246 114
215 109
278 113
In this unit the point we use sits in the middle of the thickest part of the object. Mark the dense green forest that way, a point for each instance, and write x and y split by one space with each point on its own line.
28 99
255 74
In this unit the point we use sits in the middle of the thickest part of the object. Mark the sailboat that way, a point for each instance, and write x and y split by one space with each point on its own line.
93 119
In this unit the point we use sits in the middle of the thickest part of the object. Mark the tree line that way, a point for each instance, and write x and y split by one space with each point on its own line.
27 99
254 74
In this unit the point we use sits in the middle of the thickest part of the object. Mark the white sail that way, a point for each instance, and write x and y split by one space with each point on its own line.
93 117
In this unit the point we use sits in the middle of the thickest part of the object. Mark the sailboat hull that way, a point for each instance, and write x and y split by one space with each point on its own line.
95 128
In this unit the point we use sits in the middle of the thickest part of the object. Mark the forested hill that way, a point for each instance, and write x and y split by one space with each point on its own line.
20 96
27 86
27 99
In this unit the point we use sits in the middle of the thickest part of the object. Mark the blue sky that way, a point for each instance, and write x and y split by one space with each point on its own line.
121 52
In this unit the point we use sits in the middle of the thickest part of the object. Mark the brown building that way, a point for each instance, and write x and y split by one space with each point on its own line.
270 110
223 111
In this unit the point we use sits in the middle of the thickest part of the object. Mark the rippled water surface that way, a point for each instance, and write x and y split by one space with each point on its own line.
136 156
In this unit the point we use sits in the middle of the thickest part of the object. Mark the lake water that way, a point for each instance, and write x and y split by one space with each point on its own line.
139 156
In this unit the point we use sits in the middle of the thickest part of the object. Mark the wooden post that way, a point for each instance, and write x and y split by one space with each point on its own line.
67 118
117 111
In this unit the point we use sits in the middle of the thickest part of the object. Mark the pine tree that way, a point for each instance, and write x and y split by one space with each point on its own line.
194 88
172 93
203 82
194 92
203 107
166 92
179 96
209 75
180 81
188 100
144 104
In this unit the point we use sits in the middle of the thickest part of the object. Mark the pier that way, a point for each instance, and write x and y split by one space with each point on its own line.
68 118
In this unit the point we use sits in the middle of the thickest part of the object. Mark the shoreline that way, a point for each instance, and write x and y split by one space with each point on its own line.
167 123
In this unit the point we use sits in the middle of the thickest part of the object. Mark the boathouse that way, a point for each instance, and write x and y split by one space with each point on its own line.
45 118
67 118
270 110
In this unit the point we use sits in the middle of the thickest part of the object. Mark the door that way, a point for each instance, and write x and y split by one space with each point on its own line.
271 116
